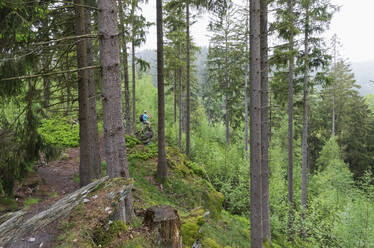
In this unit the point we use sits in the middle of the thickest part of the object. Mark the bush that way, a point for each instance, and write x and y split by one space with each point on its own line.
59 132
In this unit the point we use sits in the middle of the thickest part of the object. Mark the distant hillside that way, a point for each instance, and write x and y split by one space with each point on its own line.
199 64
364 72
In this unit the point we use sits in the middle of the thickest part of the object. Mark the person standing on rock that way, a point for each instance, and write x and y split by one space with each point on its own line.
145 121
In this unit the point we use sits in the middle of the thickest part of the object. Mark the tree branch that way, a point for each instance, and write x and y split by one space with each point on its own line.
51 73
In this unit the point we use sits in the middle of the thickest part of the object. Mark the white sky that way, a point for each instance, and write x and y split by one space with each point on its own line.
352 24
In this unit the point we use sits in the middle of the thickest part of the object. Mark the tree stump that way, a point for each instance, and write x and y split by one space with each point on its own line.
165 220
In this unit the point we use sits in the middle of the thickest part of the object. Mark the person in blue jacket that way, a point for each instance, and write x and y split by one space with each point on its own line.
145 120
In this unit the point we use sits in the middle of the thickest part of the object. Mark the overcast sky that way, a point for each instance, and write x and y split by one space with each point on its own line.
352 24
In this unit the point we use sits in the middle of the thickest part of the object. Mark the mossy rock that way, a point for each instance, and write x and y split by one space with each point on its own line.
190 229
208 242
197 169
213 201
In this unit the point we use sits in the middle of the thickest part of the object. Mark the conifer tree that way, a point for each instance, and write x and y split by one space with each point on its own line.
129 124
114 136
90 164
162 169
255 127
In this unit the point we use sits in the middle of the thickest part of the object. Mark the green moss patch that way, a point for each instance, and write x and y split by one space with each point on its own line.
236 230
103 235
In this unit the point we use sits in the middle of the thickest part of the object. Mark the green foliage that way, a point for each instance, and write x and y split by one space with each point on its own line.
190 229
8 203
148 152
131 141
30 201
59 132
208 242
105 234
228 230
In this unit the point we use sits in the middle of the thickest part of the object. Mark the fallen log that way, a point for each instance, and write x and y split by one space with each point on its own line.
16 225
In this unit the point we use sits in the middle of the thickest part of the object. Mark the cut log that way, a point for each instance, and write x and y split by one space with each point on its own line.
165 220
16 226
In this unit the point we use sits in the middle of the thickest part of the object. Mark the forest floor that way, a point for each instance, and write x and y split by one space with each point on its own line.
56 180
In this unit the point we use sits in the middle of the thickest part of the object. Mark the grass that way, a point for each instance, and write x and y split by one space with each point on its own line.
235 228
53 195
8 203
103 168
30 201
76 178
186 190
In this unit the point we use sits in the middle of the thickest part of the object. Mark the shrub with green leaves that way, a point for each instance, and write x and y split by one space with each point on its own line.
59 132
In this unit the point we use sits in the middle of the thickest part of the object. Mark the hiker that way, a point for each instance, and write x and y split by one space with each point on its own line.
144 120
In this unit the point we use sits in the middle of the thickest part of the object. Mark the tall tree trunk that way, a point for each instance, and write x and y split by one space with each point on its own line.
133 69
114 135
175 95
162 169
246 71
290 126
180 102
304 149
46 81
92 115
255 127
188 152
333 88
85 171
265 123
133 80
227 85
125 69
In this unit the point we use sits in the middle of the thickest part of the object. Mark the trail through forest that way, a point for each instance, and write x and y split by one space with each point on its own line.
57 180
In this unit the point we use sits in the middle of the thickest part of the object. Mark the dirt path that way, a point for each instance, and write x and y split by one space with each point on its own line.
57 180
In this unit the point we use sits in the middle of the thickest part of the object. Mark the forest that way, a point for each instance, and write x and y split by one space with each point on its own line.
261 139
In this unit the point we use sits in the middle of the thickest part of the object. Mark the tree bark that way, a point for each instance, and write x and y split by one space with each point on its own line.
93 132
180 102
227 85
125 70
246 71
304 149
165 220
133 81
265 123
175 95
85 172
188 152
114 135
133 68
46 82
162 169
290 125
255 127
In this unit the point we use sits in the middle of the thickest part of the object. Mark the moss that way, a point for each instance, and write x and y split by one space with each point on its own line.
213 202
197 169
53 195
145 154
103 235
208 242
190 229
30 201
235 228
